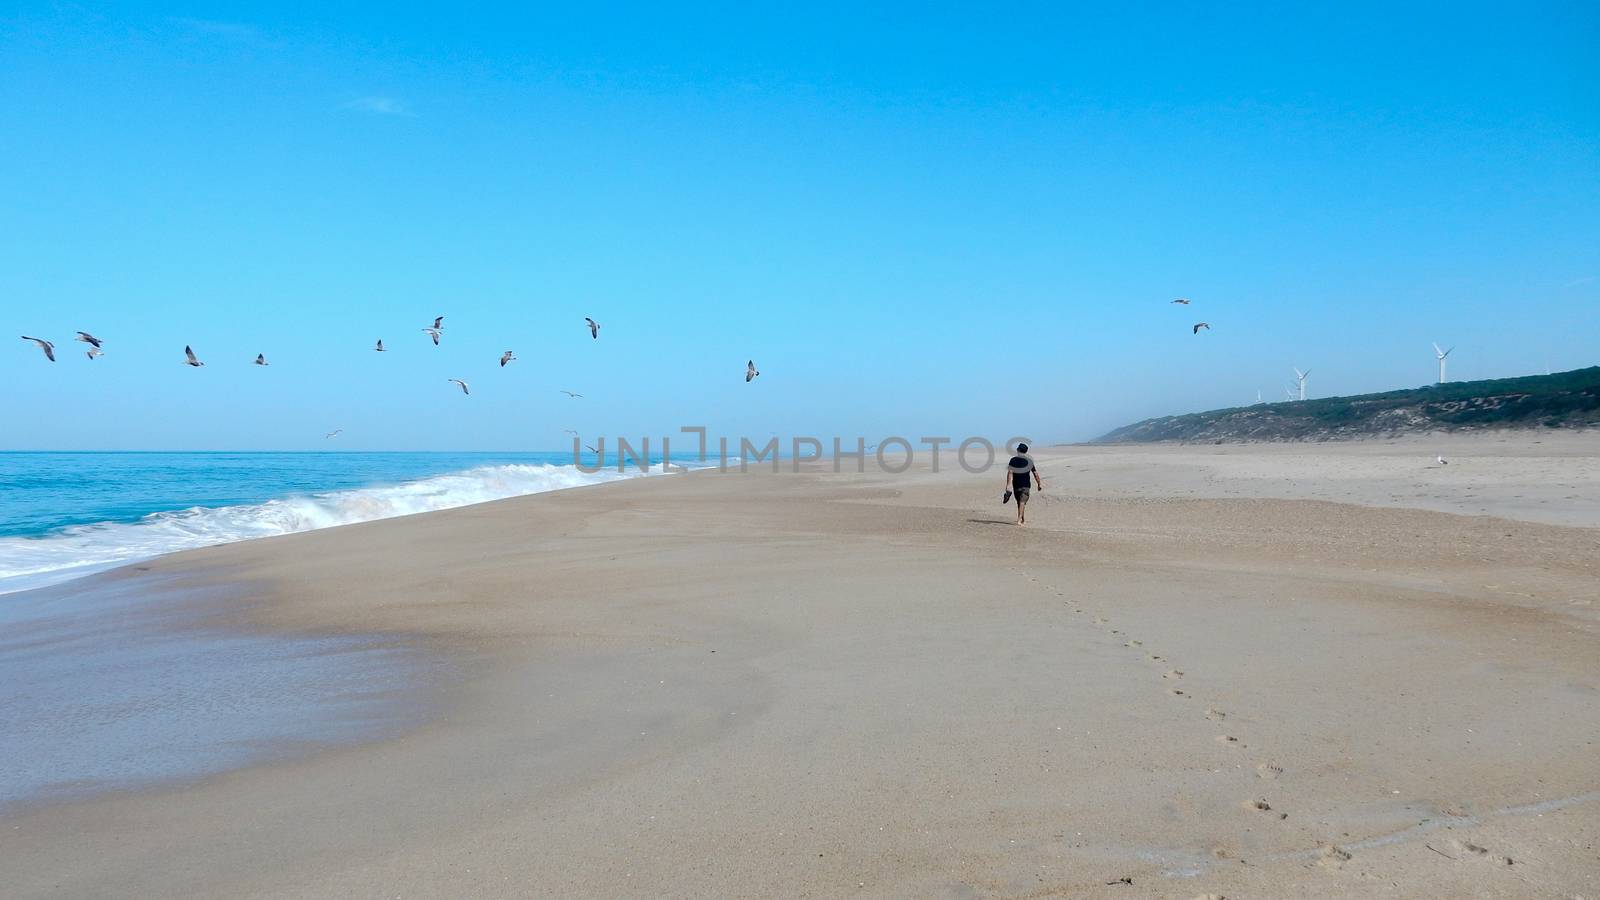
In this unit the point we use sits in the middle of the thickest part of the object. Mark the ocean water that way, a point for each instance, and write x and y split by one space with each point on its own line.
63 515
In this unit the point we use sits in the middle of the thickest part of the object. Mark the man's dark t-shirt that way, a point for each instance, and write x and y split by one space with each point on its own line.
1021 473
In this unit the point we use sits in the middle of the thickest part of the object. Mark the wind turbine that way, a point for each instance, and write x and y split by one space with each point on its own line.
1442 354
1300 378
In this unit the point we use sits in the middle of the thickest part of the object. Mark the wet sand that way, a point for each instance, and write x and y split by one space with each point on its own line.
1192 671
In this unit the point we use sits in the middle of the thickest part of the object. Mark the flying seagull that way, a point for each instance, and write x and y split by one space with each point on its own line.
1200 325
192 359
92 352
572 395
48 348
505 358
591 449
750 371
88 338
379 348
460 382
261 360
333 434
570 431
1182 300
438 323
594 327
433 333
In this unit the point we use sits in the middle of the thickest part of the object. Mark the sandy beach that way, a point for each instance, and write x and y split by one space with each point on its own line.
1326 670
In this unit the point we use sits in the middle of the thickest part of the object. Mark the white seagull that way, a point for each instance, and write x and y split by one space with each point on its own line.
572 395
192 359
438 323
261 360
505 358
333 434
48 348
92 352
594 327
1443 461
433 333
750 371
1200 325
379 348
88 338
460 382
570 431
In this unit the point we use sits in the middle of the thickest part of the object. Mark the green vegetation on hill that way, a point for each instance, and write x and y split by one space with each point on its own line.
1562 400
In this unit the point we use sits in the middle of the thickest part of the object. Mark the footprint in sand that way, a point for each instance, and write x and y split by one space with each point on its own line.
1216 715
1174 673
1268 770
1209 897
1332 856
1228 739
1155 658
1178 693
1469 850
1264 806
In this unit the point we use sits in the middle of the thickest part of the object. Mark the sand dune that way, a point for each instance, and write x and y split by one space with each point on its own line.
1239 672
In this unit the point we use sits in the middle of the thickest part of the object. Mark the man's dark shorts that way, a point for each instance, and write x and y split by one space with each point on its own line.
1021 494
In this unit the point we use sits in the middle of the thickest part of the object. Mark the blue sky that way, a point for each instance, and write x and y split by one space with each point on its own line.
917 220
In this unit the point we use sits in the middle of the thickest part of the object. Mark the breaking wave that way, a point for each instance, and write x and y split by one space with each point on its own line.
29 562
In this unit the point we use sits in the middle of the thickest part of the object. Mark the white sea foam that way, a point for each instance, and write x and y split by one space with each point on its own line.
81 549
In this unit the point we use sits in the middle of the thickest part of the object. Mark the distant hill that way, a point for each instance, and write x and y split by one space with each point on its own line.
1563 400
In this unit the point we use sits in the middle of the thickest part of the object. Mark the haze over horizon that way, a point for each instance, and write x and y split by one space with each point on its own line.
972 226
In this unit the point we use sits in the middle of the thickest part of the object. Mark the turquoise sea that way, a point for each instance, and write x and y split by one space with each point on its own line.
67 514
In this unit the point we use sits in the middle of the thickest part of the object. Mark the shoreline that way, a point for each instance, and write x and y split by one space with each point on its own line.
855 683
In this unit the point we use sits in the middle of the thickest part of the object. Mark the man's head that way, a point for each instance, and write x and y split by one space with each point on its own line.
1022 448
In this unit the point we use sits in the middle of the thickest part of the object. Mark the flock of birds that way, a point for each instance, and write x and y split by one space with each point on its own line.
434 331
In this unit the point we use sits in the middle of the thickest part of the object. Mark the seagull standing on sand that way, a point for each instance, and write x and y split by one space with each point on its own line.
192 359
594 328
1182 300
48 348
1200 325
505 358
571 395
750 371
460 382
89 339
379 348
1442 460
261 360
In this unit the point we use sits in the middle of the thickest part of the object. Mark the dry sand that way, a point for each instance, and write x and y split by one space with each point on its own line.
823 685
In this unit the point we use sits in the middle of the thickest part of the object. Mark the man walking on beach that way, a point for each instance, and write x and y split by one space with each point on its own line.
1021 473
